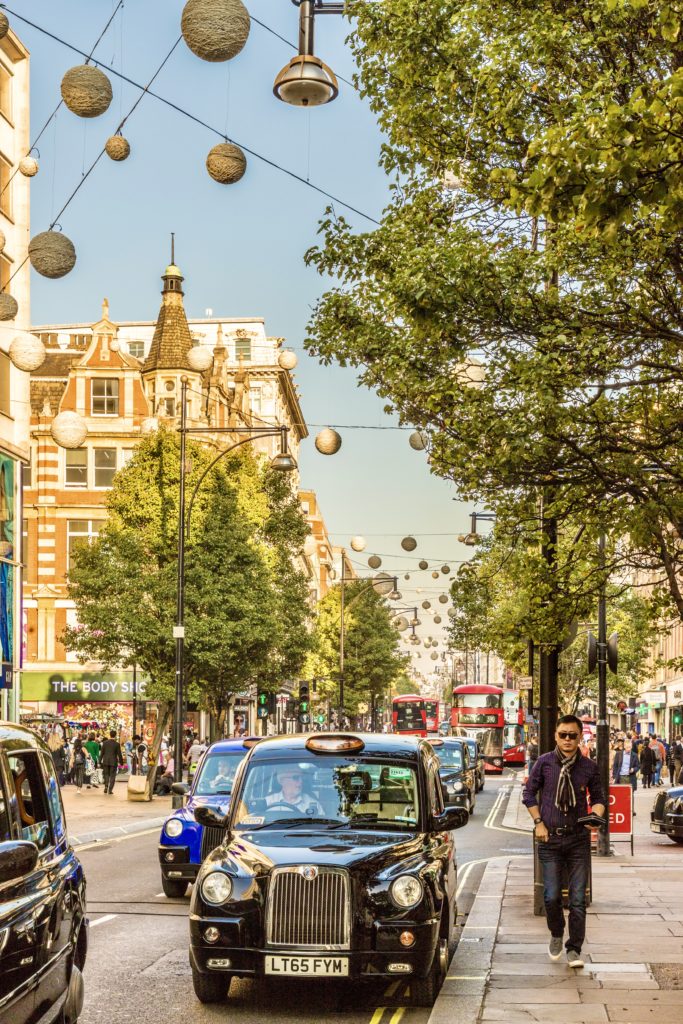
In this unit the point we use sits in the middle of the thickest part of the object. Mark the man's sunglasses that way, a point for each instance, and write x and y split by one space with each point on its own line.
569 735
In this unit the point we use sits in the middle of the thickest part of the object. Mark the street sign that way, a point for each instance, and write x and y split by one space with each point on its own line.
620 810
261 712
305 719
362 708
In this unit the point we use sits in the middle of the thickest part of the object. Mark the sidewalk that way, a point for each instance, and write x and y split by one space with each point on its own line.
633 953
94 816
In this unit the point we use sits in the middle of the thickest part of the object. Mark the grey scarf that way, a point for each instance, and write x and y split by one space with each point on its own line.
565 797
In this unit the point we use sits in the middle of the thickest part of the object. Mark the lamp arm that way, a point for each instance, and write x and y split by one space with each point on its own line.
226 451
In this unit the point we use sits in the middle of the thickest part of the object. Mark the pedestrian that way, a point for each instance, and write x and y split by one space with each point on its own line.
647 763
140 756
92 760
79 754
531 753
659 754
625 765
565 777
111 757
194 756
677 759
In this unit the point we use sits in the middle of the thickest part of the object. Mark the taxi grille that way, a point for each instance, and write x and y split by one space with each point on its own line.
211 838
313 913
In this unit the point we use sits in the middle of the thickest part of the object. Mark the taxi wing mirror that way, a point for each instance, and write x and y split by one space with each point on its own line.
16 860
180 788
452 818
209 817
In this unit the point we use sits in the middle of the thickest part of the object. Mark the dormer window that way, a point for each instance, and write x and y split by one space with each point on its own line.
105 396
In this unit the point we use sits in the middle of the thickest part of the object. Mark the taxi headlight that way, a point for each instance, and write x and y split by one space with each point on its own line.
406 891
217 887
173 827
458 787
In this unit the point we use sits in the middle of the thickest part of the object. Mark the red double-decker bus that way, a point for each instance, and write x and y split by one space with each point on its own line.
432 712
478 709
408 714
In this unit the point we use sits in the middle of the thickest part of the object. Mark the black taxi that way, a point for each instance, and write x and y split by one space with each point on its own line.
43 927
338 862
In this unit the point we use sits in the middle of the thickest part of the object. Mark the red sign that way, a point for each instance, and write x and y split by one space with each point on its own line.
620 810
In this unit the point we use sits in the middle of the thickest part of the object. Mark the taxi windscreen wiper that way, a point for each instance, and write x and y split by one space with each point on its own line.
286 822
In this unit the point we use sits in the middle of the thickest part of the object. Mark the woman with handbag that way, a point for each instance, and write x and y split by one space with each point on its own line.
79 755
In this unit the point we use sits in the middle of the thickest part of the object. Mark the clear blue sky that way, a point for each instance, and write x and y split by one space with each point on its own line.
240 247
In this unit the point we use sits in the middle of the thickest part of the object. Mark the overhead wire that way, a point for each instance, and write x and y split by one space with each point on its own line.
197 120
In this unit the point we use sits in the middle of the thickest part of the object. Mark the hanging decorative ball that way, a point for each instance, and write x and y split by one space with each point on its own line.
383 583
443 598
426 604
401 623
117 148
451 613
28 166
407 576
226 163
374 561
3 240
215 30
427 643
418 440
200 358
358 543
435 575
434 656
328 441
69 430
445 569
9 307
435 643
423 564
52 254
408 543
4 25
27 352
287 359
437 619
86 91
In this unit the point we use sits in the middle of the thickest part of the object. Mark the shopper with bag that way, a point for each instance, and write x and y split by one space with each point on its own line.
111 757
78 764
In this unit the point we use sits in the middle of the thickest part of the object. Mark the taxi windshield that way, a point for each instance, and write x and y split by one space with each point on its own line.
217 773
449 756
332 791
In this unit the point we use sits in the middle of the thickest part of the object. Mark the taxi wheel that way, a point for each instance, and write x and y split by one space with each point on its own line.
210 988
677 839
425 990
172 888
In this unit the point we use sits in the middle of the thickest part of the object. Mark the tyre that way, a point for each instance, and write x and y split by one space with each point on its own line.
174 888
473 804
424 991
677 839
74 998
210 988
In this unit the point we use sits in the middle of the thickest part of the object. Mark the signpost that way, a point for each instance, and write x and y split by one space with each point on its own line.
620 809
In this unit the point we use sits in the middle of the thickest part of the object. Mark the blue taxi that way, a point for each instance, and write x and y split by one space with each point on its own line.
184 843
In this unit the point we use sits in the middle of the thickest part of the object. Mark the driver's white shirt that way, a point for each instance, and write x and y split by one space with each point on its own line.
304 803
220 780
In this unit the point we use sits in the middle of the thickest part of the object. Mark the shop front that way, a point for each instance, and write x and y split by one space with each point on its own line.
10 581
97 700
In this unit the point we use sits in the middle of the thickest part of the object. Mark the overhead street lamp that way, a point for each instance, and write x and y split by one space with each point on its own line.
283 462
306 81
472 538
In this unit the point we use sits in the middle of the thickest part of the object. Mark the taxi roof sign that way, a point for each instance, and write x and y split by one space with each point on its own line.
334 743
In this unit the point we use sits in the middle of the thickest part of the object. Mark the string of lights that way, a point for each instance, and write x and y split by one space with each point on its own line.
192 117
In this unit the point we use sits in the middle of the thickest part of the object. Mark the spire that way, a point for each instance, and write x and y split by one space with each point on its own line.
172 340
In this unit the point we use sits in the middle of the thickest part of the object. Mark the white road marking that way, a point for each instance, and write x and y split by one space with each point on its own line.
116 839
103 920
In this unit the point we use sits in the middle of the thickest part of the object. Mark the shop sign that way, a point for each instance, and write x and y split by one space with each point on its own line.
81 686
7 676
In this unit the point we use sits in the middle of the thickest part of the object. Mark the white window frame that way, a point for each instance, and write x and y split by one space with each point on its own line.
67 484
103 448
90 535
106 398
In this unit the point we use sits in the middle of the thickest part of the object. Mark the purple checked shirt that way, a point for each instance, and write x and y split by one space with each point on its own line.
585 778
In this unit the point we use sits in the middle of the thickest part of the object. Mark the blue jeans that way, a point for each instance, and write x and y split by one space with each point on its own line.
570 854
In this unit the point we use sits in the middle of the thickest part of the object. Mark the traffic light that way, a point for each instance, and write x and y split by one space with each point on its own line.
678 716
304 704
266 704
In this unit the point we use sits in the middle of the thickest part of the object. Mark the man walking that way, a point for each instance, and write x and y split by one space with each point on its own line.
564 777
111 757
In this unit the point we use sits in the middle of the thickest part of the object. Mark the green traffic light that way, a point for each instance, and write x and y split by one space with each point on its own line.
263 698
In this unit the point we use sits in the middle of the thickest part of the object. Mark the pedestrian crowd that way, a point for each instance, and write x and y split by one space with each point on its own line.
649 756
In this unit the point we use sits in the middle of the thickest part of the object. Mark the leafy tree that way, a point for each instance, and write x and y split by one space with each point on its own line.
529 314
372 659
239 575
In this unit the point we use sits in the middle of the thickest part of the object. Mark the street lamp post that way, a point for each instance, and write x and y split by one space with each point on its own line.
283 462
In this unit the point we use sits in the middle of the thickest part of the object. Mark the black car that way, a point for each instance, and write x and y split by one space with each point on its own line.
666 816
458 774
477 758
338 863
43 927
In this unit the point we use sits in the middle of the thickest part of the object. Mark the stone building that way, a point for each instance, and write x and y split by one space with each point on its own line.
123 379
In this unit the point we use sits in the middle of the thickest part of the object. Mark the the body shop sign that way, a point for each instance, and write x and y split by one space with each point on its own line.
81 686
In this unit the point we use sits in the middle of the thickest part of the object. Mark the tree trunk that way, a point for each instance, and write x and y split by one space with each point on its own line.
165 713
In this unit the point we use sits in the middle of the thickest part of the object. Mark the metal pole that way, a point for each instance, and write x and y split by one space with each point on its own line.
135 694
602 730
549 654
341 645
306 27
179 631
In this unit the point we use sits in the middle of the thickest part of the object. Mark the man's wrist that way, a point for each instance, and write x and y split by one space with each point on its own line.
538 821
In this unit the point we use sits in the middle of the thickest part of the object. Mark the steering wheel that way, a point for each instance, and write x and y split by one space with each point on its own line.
284 806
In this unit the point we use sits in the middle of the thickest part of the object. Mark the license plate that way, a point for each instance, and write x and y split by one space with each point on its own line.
313 966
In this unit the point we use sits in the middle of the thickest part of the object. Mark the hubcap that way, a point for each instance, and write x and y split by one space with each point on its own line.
443 956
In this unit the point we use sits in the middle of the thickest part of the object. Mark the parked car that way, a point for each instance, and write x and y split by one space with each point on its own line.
43 924
477 758
184 843
338 862
666 817
458 773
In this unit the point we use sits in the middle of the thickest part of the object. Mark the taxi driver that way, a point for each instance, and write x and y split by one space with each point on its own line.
223 776
291 792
